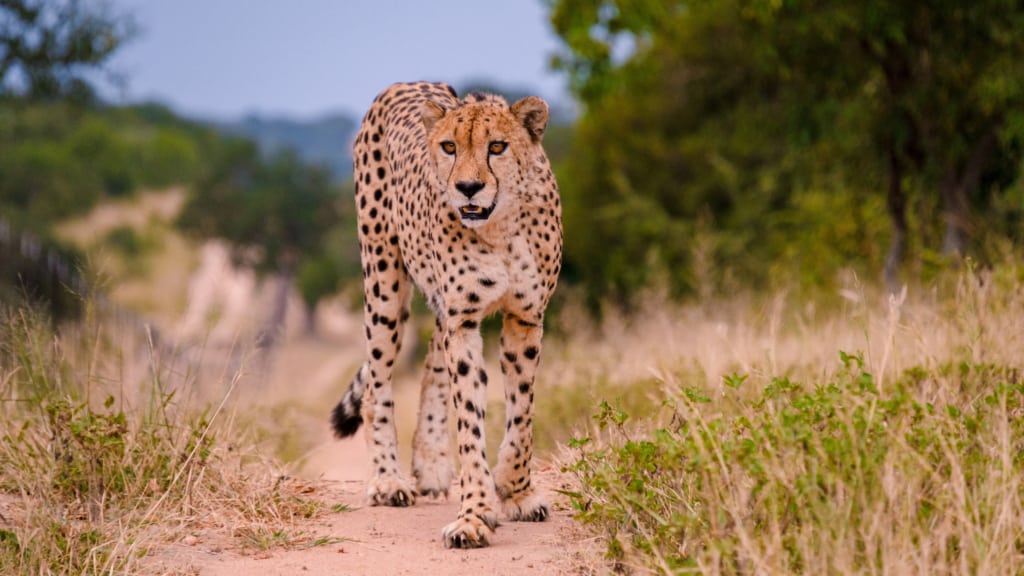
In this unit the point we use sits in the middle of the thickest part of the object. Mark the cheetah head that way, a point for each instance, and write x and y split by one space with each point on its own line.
482 150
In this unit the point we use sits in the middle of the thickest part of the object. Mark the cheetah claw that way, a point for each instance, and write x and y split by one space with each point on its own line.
433 493
433 480
390 492
470 531
529 508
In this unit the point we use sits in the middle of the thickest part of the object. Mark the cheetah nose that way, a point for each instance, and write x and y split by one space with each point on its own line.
469 187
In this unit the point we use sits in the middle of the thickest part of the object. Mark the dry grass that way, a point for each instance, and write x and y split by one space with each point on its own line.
99 468
106 455
152 282
974 317
884 437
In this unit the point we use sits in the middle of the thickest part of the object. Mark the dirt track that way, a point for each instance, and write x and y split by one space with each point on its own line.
365 540
376 540
395 541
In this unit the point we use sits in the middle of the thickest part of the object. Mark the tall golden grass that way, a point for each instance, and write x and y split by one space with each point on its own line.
106 455
881 435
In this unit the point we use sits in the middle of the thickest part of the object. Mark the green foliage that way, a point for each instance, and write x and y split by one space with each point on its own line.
568 405
172 157
45 182
79 459
48 45
318 277
764 141
341 241
59 160
94 142
273 212
840 476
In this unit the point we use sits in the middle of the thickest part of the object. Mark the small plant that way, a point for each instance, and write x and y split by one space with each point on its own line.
262 539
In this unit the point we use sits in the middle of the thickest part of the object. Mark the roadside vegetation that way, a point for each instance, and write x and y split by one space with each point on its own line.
886 438
105 455
787 340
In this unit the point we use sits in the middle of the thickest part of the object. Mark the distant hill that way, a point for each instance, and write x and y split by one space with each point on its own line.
326 140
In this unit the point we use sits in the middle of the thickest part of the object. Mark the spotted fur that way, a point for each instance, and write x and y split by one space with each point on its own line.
458 198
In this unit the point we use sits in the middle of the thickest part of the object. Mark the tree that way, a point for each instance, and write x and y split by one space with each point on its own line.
742 110
318 277
942 85
683 164
47 46
272 212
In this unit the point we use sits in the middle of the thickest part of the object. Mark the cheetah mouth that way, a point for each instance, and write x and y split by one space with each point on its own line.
473 212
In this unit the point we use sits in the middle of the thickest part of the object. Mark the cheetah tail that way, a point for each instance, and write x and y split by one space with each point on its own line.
346 417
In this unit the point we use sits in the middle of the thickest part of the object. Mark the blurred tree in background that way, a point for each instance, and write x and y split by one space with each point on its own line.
62 152
54 159
765 140
274 213
47 46
59 160
723 144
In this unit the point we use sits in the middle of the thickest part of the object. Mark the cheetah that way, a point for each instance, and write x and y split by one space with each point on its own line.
458 197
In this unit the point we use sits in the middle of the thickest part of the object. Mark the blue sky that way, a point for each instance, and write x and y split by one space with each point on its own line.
226 58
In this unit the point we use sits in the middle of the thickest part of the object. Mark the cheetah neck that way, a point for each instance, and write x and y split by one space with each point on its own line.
494 232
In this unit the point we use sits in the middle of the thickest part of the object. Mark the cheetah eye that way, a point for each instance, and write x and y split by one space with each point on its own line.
448 146
497 147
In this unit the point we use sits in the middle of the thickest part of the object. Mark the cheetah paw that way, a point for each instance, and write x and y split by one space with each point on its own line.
390 492
470 531
530 507
433 479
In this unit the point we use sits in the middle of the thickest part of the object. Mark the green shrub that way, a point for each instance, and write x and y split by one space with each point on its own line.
775 476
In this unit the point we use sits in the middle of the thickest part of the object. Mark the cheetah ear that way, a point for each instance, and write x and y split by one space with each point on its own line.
533 113
430 114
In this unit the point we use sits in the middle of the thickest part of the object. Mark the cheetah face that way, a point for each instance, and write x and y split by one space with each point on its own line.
479 150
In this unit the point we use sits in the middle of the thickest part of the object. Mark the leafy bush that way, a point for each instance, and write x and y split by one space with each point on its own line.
775 476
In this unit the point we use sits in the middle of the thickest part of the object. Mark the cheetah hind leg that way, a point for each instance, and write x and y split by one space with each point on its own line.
432 464
526 506
346 419
433 470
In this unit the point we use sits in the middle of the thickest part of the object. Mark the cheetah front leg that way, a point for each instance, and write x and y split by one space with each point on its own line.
431 461
520 355
477 521
384 314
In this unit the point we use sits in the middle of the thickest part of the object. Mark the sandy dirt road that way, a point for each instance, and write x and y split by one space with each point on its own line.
384 541
299 387
378 541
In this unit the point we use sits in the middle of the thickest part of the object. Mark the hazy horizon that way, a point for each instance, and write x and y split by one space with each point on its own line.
316 58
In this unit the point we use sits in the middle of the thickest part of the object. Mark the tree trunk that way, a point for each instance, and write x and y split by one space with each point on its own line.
954 209
274 328
310 319
896 202
957 189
